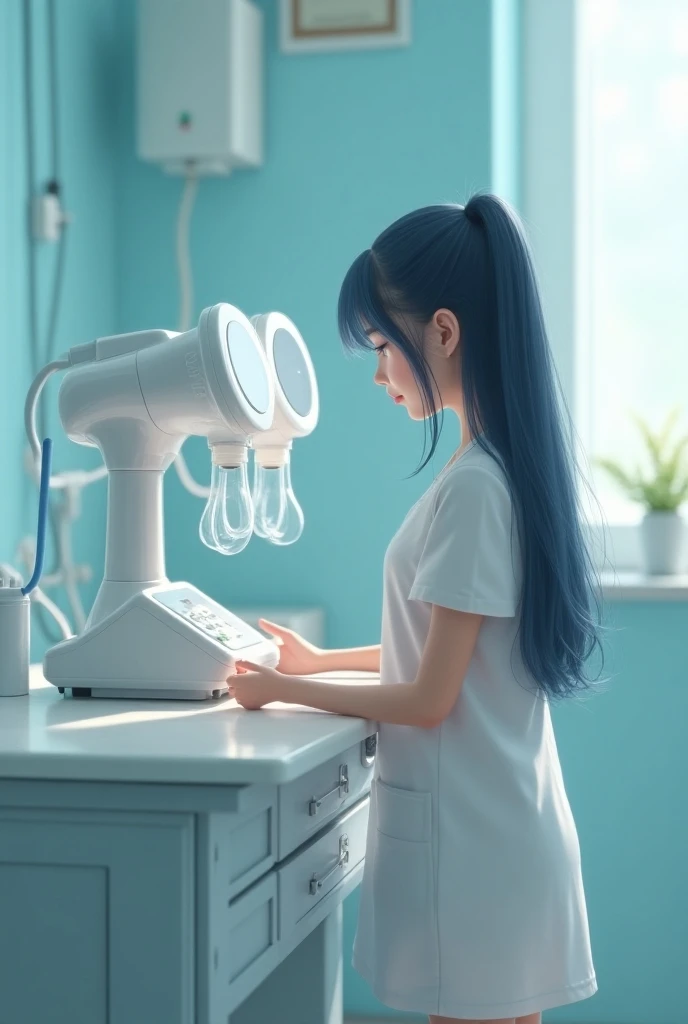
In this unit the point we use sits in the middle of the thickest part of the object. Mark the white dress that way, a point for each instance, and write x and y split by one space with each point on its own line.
472 901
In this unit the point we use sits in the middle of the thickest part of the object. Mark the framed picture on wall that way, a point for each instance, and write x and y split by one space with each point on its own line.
316 26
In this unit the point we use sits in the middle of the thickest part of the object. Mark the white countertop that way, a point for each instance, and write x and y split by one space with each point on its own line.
49 736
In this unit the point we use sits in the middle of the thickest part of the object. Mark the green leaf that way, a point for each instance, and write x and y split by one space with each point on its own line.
653 444
618 474
671 422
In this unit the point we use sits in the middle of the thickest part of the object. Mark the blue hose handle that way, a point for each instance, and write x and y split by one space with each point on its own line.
43 497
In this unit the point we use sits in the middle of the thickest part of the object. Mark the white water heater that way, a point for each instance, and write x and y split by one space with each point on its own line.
200 85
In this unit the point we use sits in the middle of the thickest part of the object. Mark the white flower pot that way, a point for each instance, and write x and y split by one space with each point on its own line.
663 537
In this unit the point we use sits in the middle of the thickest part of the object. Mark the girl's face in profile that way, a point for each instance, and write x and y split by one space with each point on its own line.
441 350
394 374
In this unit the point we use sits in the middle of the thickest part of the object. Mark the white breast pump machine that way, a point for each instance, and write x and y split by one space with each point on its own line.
243 384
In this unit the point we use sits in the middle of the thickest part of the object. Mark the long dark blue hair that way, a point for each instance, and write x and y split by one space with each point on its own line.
476 262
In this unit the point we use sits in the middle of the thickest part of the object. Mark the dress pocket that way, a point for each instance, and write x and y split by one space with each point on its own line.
403 889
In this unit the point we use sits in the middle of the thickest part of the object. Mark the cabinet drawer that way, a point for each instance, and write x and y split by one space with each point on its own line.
309 802
241 847
318 868
247 954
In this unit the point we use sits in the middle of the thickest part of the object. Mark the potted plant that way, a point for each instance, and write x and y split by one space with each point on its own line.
662 493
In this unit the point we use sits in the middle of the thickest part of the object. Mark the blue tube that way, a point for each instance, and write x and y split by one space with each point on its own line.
43 497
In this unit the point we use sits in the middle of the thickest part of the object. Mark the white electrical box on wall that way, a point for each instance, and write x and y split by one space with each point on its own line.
200 84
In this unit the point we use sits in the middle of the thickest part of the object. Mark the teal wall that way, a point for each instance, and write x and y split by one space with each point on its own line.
88 117
353 140
625 765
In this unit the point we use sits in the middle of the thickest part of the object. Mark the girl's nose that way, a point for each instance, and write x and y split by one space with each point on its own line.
379 378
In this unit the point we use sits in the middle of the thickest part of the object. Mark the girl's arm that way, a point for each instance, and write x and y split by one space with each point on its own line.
424 702
353 659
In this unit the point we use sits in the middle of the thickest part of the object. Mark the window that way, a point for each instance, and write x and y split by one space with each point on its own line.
605 200
631 340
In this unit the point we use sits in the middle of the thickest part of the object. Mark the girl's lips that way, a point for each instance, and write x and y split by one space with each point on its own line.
399 398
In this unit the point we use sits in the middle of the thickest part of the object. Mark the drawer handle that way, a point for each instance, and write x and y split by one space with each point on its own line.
368 748
317 883
341 787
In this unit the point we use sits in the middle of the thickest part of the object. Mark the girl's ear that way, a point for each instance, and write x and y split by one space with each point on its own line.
444 333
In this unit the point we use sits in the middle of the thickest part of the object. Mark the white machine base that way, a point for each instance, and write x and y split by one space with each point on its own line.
168 642
141 694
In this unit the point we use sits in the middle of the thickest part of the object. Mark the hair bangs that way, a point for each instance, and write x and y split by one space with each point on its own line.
360 308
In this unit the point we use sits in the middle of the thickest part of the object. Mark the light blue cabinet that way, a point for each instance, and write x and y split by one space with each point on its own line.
133 917
125 899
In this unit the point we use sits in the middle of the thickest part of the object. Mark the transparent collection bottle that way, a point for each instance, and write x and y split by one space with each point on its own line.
278 515
233 512
227 521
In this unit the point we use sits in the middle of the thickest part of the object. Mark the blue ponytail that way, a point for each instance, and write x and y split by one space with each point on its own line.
475 261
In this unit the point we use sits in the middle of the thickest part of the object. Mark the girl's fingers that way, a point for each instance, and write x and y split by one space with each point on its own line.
272 627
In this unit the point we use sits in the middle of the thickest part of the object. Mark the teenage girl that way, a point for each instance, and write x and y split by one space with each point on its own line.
472 903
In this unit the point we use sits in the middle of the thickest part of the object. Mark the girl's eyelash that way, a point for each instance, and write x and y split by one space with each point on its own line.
381 348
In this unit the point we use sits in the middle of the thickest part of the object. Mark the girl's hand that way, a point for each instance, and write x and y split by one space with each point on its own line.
255 685
298 657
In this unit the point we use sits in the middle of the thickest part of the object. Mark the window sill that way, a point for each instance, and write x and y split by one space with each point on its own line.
618 555
638 586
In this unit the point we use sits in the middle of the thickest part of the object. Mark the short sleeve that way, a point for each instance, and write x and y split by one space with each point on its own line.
468 559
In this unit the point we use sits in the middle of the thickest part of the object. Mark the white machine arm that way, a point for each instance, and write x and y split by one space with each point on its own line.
138 400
